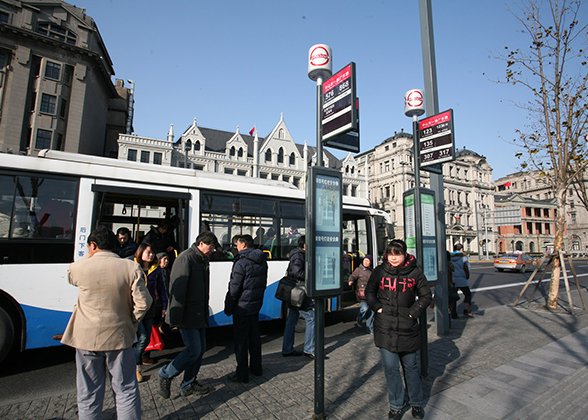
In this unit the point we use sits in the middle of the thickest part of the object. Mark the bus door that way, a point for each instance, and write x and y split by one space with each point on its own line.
140 209
357 243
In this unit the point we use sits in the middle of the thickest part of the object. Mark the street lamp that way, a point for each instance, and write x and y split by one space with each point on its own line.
187 148
403 178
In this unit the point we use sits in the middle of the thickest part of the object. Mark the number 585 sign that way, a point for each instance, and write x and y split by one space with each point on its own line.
436 139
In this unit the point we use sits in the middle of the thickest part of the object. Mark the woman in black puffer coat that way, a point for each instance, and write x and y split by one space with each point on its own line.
392 293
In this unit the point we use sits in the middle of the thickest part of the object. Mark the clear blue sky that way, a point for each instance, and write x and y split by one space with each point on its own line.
231 63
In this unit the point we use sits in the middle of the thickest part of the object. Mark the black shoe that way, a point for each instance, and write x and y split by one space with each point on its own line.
235 378
293 353
197 389
164 386
418 412
454 316
260 373
468 314
395 414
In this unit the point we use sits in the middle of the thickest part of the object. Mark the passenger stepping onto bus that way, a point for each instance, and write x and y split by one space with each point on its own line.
243 301
188 310
126 247
145 257
112 299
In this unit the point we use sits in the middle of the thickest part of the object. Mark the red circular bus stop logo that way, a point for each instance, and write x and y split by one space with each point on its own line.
414 99
319 56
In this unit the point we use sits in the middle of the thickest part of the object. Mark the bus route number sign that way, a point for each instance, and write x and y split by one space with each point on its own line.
436 139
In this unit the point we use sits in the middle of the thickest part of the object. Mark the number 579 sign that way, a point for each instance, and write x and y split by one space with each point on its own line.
436 139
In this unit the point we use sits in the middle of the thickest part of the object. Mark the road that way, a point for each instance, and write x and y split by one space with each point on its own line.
48 372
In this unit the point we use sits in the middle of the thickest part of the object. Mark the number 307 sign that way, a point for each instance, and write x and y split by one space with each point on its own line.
436 139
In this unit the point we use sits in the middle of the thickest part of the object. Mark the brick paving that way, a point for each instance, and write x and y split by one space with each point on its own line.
505 363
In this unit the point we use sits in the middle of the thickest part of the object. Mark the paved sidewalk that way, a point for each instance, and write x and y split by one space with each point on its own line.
505 363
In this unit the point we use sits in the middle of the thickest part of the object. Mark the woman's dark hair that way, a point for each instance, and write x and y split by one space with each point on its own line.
139 253
103 238
396 247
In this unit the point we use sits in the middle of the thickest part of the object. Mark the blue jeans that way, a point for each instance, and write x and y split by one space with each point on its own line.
190 359
143 338
394 383
366 312
293 315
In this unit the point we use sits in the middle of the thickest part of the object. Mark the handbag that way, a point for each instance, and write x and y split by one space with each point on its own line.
453 295
291 291
156 342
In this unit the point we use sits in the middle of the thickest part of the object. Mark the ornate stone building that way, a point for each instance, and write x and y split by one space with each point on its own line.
468 190
531 185
56 90
275 156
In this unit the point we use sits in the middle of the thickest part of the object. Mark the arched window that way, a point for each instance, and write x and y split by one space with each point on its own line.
281 133
240 153
197 146
352 170
281 155
292 159
232 151
268 155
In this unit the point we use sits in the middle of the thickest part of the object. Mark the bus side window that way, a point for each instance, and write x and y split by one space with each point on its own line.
37 216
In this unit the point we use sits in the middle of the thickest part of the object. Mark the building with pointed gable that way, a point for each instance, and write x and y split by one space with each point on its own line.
275 156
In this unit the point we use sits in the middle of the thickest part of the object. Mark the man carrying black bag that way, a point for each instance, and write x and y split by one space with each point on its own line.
296 270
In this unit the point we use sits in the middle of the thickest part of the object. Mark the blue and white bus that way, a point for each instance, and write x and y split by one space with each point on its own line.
50 203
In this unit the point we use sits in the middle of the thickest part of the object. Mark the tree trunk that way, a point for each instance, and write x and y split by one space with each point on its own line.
560 226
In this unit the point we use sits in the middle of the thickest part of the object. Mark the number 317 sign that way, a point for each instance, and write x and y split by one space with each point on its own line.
436 139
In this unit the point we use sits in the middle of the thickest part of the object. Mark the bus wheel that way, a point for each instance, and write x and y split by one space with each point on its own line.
6 334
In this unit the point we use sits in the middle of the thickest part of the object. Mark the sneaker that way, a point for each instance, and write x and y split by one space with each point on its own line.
164 386
147 361
197 389
395 414
468 314
418 412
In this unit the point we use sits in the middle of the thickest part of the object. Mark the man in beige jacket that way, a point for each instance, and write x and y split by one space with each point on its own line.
112 300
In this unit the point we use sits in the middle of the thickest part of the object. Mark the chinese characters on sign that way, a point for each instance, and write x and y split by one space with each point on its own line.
436 139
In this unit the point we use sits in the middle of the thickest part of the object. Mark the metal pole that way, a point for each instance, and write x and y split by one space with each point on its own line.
436 180
486 232
319 326
477 229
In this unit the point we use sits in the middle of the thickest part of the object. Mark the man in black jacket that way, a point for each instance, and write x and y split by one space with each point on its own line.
243 301
188 310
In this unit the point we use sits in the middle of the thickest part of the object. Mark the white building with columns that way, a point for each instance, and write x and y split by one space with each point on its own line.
468 190
275 156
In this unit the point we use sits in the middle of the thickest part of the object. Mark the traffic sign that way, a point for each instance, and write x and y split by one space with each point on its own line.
436 140
340 111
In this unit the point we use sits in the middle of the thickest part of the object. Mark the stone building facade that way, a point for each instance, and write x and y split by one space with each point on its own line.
56 90
275 156
532 185
524 223
468 190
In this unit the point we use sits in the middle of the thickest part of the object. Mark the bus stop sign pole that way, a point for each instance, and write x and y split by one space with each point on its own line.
320 67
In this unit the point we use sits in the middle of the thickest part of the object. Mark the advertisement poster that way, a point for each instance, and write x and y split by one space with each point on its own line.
328 226
429 241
